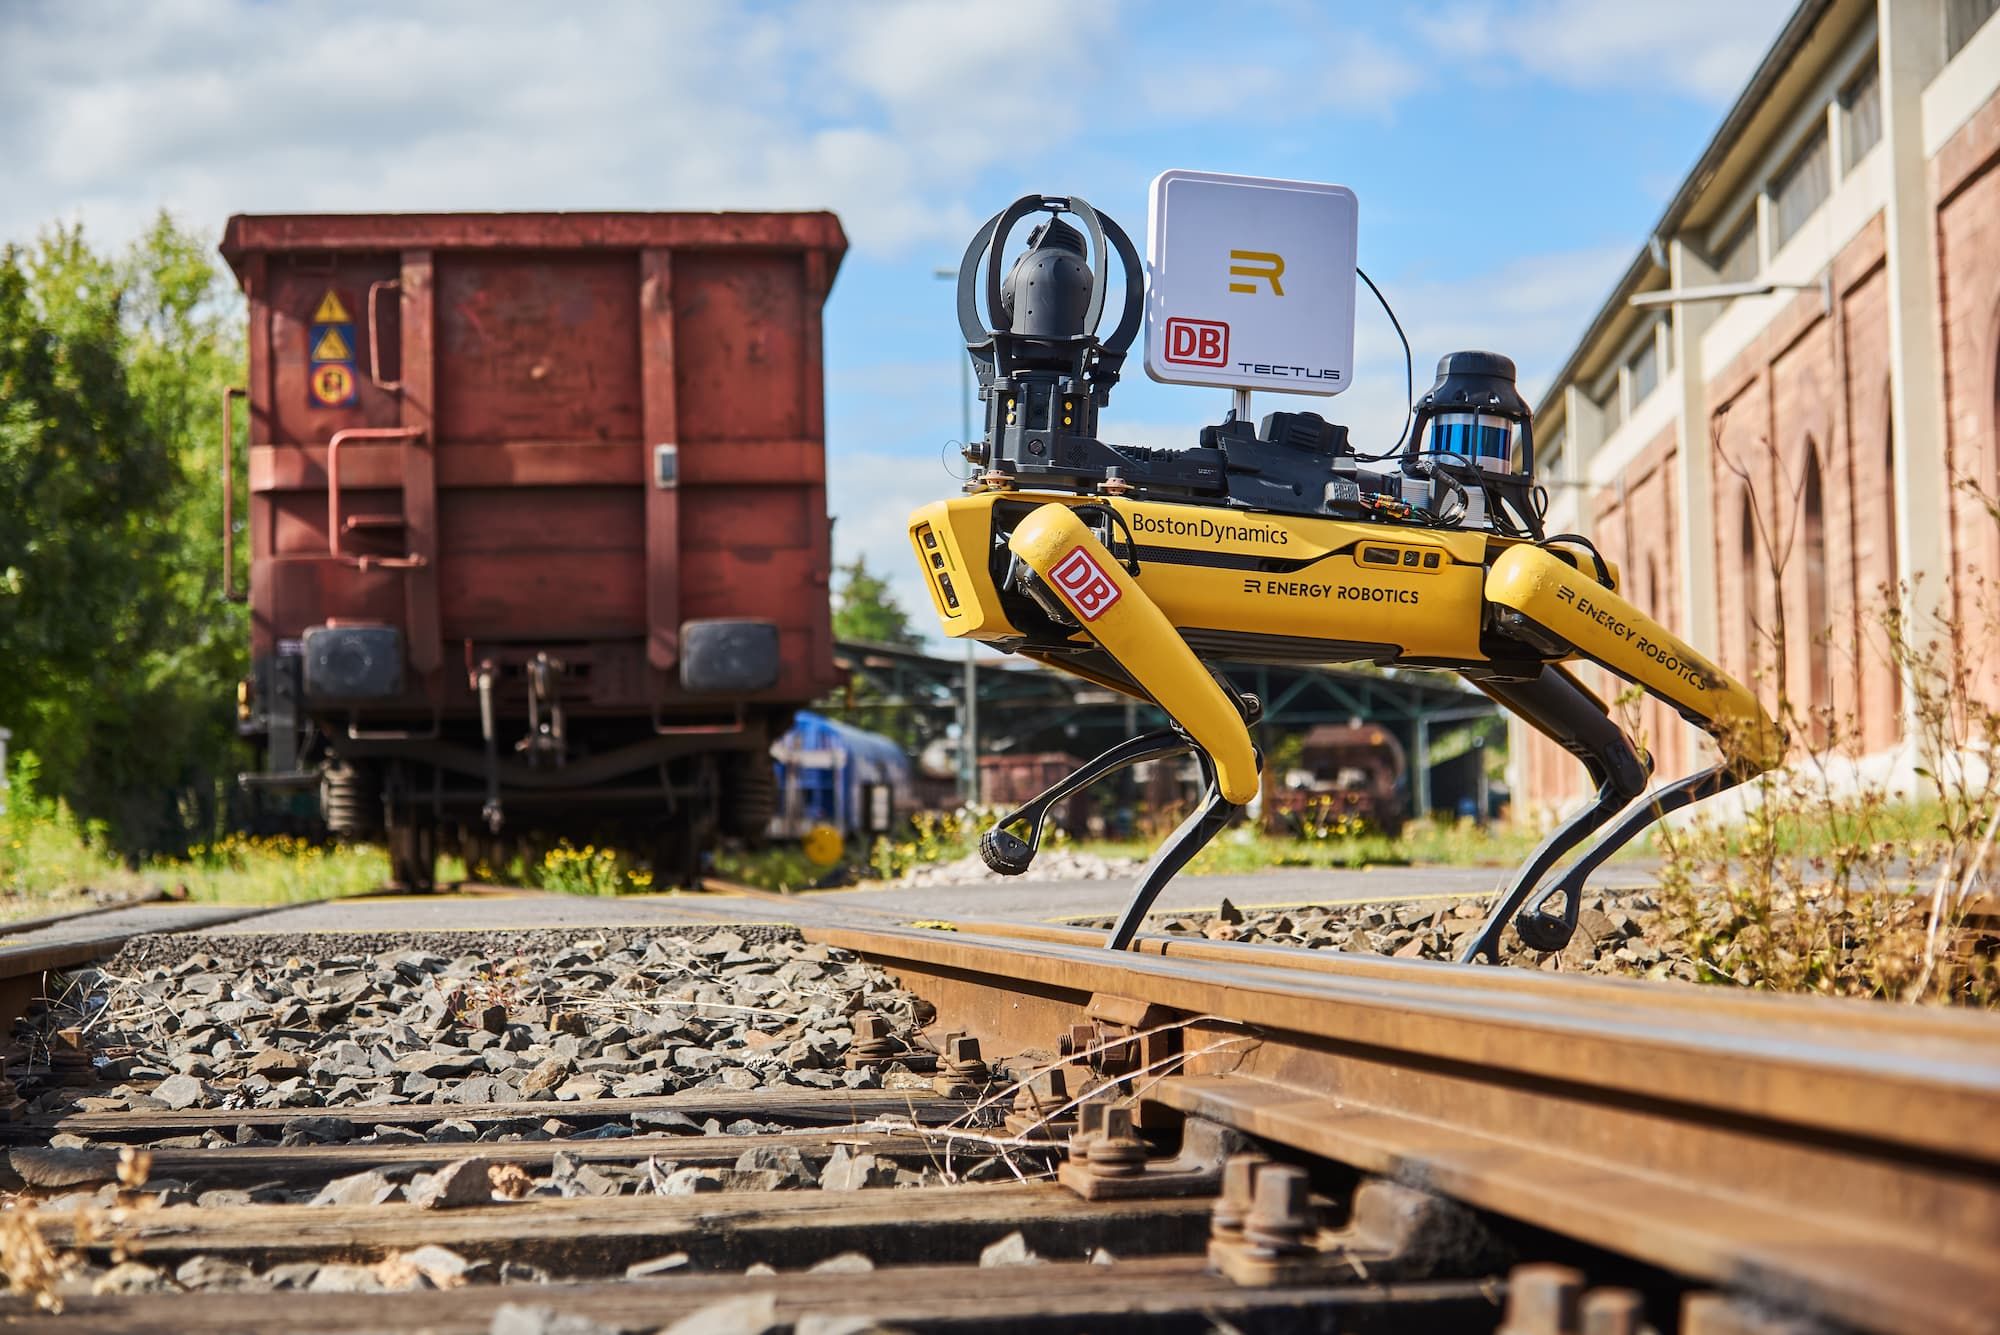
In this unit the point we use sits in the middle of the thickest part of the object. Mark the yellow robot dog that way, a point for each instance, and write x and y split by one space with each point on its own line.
1278 543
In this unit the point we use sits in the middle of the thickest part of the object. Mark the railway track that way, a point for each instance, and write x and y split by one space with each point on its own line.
1010 1129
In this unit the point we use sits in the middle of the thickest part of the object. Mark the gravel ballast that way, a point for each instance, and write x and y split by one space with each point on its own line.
261 1022
568 1021
1620 932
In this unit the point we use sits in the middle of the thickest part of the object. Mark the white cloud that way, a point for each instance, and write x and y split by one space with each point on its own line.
218 106
887 111
1312 72
1706 48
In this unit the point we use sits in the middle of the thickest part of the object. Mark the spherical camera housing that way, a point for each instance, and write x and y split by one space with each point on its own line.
1043 371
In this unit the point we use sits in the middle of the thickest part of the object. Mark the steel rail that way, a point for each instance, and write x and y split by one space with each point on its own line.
1845 1013
1840 1167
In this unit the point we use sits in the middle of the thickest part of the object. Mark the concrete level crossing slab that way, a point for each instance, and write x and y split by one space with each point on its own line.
1025 900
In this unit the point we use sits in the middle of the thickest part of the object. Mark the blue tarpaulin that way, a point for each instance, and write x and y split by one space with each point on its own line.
825 770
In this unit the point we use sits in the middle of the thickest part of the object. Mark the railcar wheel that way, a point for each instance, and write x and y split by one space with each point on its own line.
350 800
413 857
749 795
677 858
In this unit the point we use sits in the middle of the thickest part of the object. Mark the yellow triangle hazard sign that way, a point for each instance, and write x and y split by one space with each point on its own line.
330 310
333 347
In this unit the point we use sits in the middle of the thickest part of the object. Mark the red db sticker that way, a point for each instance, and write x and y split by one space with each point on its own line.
1197 342
1086 585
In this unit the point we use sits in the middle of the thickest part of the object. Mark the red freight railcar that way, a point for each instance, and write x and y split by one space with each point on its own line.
537 518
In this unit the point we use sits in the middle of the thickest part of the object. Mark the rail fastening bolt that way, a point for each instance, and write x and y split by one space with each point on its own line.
1089 1130
1280 1217
1038 1102
873 1038
1542 1300
963 1061
1239 1186
69 1056
1116 1151
1612 1312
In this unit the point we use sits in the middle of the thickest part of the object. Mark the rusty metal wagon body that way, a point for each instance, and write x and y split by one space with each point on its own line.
536 516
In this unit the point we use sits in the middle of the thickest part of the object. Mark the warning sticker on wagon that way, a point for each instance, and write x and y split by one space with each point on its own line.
332 378
330 310
331 385
332 346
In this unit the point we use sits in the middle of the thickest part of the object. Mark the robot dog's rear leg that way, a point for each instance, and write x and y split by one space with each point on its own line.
1010 855
1554 704
1203 824
1542 930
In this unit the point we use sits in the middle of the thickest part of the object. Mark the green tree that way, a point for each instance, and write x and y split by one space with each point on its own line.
118 654
865 609
184 344
83 491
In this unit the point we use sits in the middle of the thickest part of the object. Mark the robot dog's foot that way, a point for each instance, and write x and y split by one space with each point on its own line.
1557 706
1545 931
1008 854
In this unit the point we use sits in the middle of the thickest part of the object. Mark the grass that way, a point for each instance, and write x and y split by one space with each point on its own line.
1822 886
241 869
52 862
947 837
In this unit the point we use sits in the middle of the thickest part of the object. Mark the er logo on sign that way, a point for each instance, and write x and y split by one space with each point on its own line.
1257 265
1197 342
1084 582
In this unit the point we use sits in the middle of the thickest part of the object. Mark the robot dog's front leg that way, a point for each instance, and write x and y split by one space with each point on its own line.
1113 610
1010 854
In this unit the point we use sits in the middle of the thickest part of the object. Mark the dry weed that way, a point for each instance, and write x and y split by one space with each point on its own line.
1828 882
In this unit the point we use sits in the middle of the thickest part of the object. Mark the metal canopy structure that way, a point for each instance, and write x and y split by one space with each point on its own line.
1024 707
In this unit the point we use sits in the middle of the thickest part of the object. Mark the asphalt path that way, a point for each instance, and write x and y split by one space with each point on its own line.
1026 900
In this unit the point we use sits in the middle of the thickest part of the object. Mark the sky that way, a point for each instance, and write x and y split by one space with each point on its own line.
1508 158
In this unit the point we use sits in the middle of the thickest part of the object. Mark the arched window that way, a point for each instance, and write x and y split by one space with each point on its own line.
1817 626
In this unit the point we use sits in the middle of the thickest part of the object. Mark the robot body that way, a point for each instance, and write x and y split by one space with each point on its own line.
1136 569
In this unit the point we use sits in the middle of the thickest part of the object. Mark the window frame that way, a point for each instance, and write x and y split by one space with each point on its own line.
1864 82
1647 351
1741 240
1816 143
1958 33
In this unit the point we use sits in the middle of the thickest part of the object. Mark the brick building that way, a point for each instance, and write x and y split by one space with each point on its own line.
1850 202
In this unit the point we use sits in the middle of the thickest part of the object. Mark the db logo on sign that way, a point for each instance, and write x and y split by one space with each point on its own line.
1086 585
1198 342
